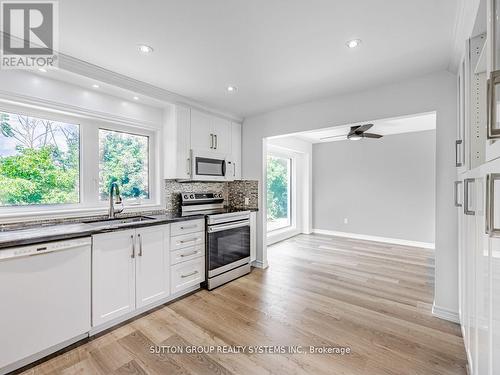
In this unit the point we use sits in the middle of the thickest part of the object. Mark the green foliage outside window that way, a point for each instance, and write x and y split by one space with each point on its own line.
123 158
277 187
39 161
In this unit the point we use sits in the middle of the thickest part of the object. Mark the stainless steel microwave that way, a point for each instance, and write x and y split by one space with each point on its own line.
210 166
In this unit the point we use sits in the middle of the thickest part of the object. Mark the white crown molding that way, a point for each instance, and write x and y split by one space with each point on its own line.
86 69
464 24
395 241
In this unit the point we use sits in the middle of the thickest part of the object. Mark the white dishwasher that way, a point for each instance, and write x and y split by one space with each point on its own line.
44 299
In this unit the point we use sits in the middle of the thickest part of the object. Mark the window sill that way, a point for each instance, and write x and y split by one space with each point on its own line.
70 213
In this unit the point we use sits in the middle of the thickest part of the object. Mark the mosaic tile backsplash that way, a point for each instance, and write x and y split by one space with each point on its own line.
234 192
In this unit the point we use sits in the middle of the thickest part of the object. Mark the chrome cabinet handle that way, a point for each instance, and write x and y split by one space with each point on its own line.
455 194
133 246
140 244
187 255
458 161
211 141
189 274
188 241
493 131
490 205
188 166
234 169
215 135
189 227
467 211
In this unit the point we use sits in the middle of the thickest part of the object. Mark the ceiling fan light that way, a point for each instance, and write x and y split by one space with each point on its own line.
355 137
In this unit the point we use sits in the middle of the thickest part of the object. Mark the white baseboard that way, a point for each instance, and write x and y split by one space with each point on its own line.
259 264
446 314
396 241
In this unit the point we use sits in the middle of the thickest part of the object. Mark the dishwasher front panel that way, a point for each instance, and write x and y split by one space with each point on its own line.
44 299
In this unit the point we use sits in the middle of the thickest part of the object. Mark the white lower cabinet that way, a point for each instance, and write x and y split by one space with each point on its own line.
152 265
187 274
187 255
113 275
134 269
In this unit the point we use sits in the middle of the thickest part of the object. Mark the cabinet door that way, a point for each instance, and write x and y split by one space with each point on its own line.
492 171
481 277
236 150
177 143
202 137
113 275
222 135
152 265
469 222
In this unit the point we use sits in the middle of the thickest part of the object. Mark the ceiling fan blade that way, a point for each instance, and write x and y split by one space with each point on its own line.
353 130
363 128
334 137
371 135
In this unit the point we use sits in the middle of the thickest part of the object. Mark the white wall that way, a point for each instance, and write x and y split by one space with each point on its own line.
433 92
301 152
383 187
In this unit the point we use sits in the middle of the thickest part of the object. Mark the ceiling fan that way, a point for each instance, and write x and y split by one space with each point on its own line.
357 132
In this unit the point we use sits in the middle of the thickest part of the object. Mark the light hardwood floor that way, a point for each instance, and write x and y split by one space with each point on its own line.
318 290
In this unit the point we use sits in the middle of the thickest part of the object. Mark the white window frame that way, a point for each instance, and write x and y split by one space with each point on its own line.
89 167
279 153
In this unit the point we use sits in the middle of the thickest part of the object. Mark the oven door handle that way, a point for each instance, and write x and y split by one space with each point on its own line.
221 227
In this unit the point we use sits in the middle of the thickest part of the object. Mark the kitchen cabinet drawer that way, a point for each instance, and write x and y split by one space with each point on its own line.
187 274
189 226
187 253
187 240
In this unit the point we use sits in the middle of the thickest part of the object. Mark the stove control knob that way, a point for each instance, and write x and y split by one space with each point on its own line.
191 196
185 196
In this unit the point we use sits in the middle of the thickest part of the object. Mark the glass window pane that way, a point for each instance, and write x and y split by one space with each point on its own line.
39 161
123 158
278 192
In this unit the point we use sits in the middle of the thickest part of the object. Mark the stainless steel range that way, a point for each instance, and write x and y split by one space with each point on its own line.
227 237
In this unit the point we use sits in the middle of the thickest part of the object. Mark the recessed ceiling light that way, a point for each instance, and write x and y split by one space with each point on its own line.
95 85
143 48
353 43
43 70
232 89
136 98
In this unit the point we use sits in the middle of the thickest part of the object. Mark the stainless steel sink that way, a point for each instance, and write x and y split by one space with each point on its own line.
120 221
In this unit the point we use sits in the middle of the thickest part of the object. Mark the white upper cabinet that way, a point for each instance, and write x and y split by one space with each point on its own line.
210 133
221 129
177 143
189 129
202 135
236 150
152 265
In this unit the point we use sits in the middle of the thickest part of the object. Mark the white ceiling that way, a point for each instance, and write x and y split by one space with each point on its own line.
276 52
385 127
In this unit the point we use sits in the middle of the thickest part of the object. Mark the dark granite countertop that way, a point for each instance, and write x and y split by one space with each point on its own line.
34 234
45 233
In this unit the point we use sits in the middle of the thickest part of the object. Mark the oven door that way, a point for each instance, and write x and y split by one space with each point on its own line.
228 246
208 166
